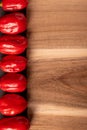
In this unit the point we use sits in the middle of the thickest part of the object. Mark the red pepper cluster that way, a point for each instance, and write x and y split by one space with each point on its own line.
12 44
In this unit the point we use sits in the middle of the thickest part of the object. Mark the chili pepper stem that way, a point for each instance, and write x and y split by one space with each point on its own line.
1 4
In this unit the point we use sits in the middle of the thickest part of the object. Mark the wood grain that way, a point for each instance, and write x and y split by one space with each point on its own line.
57 64
60 81
58 87
58 123
57 24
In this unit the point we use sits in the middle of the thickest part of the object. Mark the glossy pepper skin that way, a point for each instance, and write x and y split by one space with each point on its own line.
13 64
13 23
13 82
12 104
14 5
12 44
14 123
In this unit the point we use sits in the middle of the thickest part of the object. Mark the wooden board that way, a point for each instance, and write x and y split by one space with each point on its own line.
57 64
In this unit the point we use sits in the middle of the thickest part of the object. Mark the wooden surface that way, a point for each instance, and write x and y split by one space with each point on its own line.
57 64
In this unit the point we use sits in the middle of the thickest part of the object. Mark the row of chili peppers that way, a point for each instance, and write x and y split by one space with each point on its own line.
12 43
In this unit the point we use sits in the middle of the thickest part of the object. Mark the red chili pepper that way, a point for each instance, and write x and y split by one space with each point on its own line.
13 63
12 44
13 23
12 104
14 123
14 5
13 82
